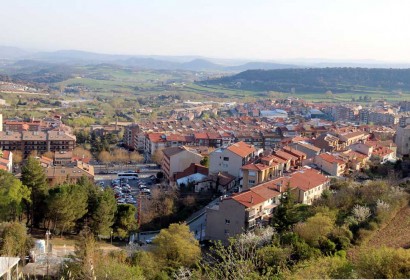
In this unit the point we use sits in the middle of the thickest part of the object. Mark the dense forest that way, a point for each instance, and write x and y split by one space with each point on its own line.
317 80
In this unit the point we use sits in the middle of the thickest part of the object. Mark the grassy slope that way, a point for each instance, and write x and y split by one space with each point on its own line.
396 234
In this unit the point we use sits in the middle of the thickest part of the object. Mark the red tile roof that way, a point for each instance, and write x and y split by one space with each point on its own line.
307 179
156 137
285 155
331 158
255 166
294 152
248 198
241 149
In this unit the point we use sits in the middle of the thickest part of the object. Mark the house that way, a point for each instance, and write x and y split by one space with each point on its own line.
154 141
244 211
67 172
293 160
6 161
301 156
70 173
177 159
331 164
231 158
194 175
327 142
308 149
256 173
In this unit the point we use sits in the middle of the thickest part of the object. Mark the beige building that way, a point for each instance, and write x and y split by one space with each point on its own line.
331 164
402 140
40 141
177 159
231 159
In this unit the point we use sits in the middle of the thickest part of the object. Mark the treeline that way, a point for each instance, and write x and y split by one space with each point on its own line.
64 208
317 80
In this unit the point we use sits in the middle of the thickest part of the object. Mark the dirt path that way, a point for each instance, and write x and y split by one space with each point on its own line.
396 234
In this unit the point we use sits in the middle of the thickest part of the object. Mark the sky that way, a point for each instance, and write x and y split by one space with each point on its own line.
248 29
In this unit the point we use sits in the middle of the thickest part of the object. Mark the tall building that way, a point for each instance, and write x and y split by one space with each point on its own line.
402 140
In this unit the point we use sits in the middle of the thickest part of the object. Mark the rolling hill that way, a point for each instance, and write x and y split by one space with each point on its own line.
317 80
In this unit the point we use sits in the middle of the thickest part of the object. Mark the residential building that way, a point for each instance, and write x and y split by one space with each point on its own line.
177 159
402 140
253 207
230 159
331 164
308 149
40 141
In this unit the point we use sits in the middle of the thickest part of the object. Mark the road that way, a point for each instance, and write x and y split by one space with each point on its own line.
104 169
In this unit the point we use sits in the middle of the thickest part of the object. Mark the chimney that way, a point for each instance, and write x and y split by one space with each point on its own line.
251 199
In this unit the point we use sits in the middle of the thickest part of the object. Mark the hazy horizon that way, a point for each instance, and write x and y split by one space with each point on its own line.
262 30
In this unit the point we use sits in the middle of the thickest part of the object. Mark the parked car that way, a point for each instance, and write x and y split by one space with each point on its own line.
149 240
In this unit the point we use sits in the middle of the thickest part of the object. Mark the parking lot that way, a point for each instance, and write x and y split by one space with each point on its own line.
126 190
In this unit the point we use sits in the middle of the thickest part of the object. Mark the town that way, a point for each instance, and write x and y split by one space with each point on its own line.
226 166
204 140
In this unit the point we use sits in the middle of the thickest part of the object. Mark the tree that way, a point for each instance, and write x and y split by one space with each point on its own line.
82 153
86 252
176 246
136 157
14 240
125 220
285 216
102 207
66 204
335 267
205 161
105 157
315 228
242 258
158 156
17 157
12 195
34 177
120 155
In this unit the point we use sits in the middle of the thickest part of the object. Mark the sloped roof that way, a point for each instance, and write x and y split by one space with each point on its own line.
331 158
248 198
241 149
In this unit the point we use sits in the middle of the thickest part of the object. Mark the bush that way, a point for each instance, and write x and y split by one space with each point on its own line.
384 263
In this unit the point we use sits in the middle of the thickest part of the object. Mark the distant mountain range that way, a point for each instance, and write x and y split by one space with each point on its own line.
189 63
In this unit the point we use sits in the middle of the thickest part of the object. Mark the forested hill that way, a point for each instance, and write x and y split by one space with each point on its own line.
317 80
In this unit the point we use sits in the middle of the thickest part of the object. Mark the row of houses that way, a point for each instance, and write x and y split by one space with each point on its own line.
254 207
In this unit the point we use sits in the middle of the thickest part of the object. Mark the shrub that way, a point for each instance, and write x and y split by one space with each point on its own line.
384 263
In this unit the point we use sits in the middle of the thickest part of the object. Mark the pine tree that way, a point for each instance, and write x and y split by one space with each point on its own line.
34 177
285 215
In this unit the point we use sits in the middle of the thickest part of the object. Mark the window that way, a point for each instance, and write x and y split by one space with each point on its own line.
251 181
226 231
227 222
226 158
252 173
